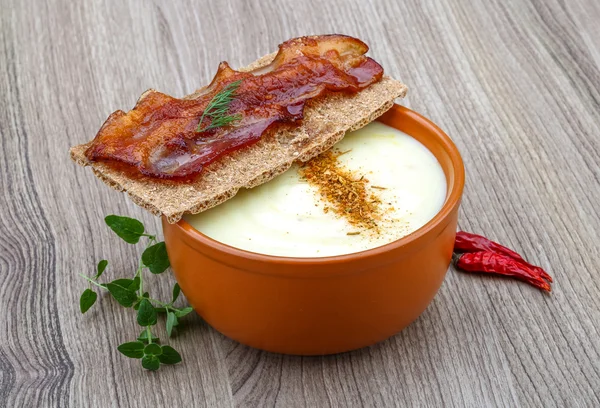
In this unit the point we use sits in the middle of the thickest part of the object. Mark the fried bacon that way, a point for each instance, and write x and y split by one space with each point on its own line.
159 137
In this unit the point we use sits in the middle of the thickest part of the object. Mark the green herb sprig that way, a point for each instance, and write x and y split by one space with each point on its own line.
130 293
218 107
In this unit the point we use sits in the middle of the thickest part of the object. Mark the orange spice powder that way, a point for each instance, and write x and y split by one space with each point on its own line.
346 194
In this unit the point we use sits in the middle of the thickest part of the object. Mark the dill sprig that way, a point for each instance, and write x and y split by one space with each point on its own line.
217 108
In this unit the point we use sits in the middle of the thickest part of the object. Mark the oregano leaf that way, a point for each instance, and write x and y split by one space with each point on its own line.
169 355
124 296
87 299
150 362
133 349
176 292
135 284
100 268
123 282
183 312
146 315
155 258
171 322
153 349
128 229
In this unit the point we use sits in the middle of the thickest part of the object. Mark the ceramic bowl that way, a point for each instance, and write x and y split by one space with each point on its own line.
313 306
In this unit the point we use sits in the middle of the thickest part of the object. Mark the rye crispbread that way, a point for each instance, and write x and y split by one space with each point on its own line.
325 123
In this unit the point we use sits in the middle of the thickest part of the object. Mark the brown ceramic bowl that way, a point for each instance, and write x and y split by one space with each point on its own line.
323 305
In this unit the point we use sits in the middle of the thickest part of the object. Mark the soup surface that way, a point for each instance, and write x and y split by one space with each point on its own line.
288 217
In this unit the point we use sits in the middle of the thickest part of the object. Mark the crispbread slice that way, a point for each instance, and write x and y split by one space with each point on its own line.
325 123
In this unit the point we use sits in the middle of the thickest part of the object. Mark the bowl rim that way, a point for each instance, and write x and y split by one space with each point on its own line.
453 198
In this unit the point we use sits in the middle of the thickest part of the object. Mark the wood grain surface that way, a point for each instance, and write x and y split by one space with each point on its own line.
515 83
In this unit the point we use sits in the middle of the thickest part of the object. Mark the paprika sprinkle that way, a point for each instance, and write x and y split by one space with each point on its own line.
346 194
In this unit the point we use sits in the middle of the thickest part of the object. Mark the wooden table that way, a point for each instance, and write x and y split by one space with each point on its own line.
515 83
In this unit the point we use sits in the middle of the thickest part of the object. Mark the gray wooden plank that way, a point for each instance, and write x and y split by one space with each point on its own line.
515 83
36 367
68 77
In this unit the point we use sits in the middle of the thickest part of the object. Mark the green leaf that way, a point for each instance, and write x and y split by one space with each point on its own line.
183 312
153 349
87 299
176 292
124 296
171 322
169 355
155 258
129 229
133 349
146 315
135 284
123 282
150 362
146 295
100 268
143 337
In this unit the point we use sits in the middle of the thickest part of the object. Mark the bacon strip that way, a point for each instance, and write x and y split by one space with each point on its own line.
158 136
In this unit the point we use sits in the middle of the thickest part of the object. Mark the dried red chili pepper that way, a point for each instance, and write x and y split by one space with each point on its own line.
468 242
493 262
